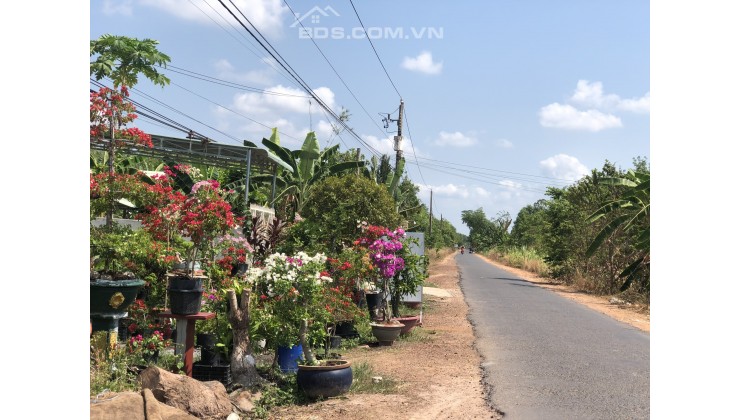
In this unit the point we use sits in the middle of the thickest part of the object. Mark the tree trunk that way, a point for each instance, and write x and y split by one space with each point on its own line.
243 369
307 352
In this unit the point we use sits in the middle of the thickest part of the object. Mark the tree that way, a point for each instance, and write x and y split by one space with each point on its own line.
122 59
303 168
629 213
530 227
484 233
335 206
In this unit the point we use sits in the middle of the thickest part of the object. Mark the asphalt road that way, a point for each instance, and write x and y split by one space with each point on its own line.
548 357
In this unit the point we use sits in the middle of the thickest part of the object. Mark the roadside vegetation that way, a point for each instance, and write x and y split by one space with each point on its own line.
593 234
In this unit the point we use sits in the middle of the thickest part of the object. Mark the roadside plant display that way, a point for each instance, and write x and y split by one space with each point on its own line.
205 216
384 247
293 288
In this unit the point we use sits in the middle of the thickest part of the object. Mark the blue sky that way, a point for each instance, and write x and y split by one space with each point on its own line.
525 94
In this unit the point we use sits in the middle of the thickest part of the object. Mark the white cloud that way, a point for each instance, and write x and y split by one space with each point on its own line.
422 63
445 190
283 99
504 144
563 166
592 95
113 7
456 139
481 192
639 105
385 146
266 15
567 117
225 70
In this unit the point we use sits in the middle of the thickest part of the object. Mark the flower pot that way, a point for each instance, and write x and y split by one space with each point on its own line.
239 270
288 358
346 329
374 305
409 322
335 342
208 353
185 302
386 334
109 300
185 282
330 379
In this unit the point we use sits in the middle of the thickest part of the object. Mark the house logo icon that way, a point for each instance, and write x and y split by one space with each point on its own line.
315 14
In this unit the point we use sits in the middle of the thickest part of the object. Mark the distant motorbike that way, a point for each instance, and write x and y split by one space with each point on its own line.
462 250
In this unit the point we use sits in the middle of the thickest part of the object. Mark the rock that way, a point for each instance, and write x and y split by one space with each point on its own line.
233 416
377 379
135 406
616 301
244 400
205 400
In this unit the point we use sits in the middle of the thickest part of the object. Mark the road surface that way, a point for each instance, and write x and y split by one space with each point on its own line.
548 357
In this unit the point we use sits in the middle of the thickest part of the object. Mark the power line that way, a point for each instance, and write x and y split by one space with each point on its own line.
560 180
227 83
284 64
237 40
376 51
335 71
413 149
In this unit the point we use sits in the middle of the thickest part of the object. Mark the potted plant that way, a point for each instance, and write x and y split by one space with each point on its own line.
296 287
205 215
406 281
384 247
113 285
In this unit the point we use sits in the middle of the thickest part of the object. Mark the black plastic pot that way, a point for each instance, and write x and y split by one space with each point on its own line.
374 305
185 283
208 353
185 302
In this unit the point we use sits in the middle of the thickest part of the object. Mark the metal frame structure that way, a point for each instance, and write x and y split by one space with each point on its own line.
202 152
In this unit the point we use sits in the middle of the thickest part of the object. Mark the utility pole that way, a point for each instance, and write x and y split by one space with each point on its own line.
430 213
358 158
397 139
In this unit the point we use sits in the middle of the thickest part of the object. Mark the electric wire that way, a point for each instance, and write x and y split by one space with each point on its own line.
227 83
335 71
376 51
284 64
233 36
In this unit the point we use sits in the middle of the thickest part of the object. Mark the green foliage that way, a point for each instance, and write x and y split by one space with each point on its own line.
530 227
335 206
122 58
596 229
304 168
630 214
484 233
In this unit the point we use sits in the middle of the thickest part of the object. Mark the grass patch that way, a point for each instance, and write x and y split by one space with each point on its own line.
522 257
419 335
362 381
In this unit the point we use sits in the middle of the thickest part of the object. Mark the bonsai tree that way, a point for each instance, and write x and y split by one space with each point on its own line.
384 246
410 277
294 288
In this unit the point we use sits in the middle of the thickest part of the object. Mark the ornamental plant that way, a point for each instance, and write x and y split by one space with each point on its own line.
147 348
293 290
205 216
384 247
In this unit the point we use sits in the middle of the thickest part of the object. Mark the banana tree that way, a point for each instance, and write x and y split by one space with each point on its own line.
632 211
302 168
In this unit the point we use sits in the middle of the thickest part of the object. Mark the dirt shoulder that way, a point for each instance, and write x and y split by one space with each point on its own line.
438 367
634 315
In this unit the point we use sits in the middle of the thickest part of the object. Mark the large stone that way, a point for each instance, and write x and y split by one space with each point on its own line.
244 400
205 400
135 406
